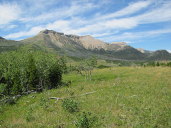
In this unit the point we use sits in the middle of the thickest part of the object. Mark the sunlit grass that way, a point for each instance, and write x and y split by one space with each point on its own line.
124 97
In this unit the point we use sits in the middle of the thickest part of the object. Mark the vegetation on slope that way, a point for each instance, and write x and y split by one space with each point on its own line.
9 45
124 97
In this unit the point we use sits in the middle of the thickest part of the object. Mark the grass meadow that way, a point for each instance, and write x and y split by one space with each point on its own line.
124 97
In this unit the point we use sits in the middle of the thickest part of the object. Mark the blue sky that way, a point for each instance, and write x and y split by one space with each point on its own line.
141 23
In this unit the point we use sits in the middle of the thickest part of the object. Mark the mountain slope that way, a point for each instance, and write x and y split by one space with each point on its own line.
57 42
89 42
129 53
83 46
160 55
8 45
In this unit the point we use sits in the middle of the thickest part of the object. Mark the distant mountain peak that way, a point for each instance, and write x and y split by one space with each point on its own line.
119 43
83 46
46 31
73 36
162 51
90 42
87 36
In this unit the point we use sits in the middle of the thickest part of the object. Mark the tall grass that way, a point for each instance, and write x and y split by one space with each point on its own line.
125 97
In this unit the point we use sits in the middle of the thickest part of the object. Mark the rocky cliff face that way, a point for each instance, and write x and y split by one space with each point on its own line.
89 42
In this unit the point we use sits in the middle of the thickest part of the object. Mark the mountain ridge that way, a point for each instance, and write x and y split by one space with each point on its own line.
85 46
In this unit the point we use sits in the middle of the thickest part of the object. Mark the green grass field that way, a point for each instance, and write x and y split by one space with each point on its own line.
125 97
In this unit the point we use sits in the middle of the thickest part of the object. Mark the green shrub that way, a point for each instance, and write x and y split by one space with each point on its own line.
55 76
25 71
70 105
86 120
169 64
102 66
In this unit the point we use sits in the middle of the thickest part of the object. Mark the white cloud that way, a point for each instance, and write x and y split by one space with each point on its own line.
104 26
104 34
66 27
102 23
61 25
131 9
9 13
109 22
63 12
158 14
32 31
137 35
169 51
11 26
40 4
8 26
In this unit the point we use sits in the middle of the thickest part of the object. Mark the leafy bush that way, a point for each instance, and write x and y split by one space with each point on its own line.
25 71
169 64
86 120
55 76
70 105
103 66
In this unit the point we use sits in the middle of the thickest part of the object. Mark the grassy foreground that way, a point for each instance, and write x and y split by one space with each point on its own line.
125 97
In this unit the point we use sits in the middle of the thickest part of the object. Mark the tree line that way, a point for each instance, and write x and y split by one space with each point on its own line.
157 63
